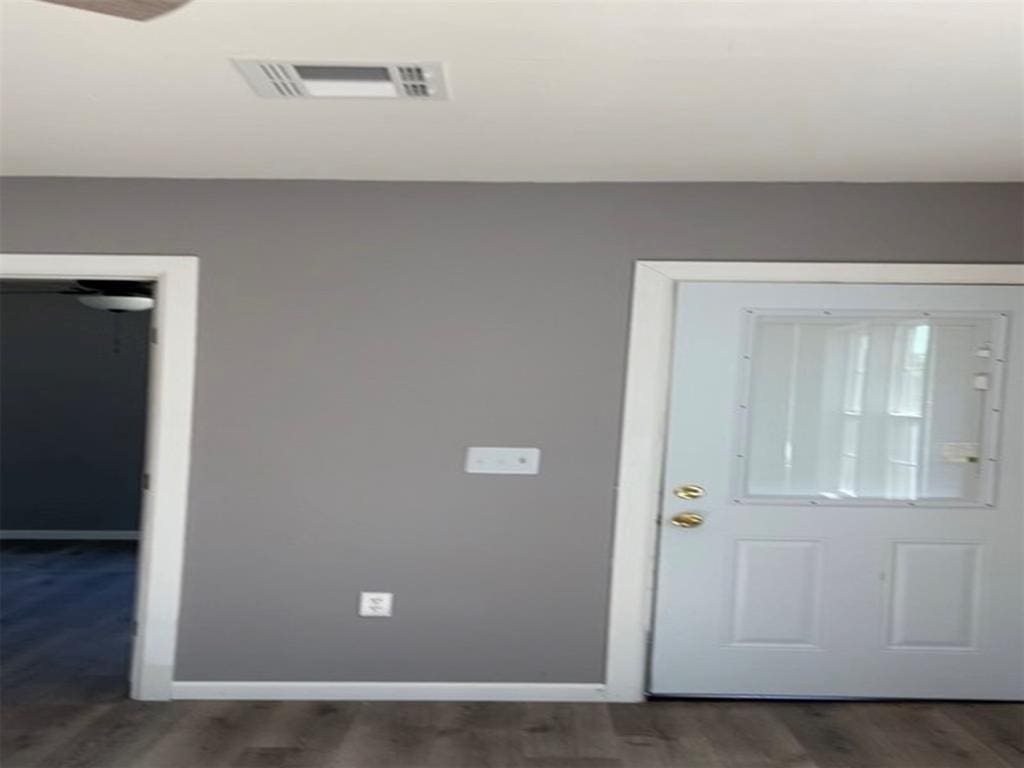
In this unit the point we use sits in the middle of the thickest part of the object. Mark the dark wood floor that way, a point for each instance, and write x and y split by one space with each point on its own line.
66 617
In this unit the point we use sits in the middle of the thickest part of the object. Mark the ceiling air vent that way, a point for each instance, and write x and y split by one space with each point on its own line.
286 80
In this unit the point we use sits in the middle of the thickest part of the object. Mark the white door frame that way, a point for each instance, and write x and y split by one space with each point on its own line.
644 424
168 441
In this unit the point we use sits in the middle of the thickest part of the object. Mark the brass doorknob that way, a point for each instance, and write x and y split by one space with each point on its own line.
688 491
688 520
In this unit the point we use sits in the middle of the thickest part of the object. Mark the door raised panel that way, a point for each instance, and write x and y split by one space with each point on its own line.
776 593
934 598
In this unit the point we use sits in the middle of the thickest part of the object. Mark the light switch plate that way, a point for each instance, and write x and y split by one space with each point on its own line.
485 460
377 604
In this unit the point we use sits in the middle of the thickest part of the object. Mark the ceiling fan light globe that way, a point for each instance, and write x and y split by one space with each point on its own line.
117 303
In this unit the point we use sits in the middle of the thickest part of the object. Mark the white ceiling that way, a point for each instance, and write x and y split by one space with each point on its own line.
542 91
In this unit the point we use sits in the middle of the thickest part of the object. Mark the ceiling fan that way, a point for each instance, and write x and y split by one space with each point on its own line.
109 295
137 10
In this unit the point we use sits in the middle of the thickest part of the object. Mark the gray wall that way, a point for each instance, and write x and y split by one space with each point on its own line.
73 384
354 338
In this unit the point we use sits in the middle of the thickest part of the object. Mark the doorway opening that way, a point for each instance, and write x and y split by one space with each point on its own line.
74 359
115 447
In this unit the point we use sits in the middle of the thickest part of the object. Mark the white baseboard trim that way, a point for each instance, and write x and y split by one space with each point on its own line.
79 535
302 691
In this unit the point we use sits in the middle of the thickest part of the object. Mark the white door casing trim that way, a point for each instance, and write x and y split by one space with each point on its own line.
644 423
168 441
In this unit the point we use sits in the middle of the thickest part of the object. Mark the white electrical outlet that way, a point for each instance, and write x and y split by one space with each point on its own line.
376 603
483 460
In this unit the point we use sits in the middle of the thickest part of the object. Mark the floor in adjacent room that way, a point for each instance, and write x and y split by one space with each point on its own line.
66 619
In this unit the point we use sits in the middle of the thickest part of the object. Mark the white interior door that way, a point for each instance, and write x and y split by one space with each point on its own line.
860 528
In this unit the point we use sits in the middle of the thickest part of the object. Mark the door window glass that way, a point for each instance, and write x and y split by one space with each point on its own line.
848 407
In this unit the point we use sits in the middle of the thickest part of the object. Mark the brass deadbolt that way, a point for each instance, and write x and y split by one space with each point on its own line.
688 491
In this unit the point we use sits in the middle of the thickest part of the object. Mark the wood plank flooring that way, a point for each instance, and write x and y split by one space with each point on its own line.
65 639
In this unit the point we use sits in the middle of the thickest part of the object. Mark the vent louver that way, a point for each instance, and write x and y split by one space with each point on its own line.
280 79
286 80
414 82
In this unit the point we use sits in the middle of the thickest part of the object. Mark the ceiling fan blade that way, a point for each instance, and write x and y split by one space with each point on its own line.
139 10
43 287
6 292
